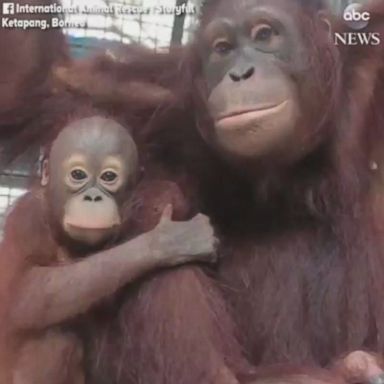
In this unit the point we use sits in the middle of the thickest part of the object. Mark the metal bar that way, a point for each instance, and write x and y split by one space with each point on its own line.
178 25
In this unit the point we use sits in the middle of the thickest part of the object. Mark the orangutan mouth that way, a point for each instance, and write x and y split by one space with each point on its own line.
239 118
80 227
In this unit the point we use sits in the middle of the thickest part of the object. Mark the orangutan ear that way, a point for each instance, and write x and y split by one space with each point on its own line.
44 174
324 19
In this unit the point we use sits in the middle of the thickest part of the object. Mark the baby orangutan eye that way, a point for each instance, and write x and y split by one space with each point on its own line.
109 176
78 174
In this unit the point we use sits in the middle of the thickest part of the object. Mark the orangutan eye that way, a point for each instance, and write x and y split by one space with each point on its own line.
222 46
266 37
109 176
78 174
263 33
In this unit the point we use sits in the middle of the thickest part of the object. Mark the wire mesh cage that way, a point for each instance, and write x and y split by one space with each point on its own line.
154 23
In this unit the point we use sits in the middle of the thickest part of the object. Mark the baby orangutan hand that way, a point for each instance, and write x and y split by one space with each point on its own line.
178 242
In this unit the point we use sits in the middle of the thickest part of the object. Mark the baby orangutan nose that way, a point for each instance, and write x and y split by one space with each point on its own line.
93 196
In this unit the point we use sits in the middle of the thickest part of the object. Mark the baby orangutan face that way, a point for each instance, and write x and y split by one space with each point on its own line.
91 167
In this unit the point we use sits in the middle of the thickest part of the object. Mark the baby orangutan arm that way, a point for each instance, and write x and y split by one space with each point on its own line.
50 295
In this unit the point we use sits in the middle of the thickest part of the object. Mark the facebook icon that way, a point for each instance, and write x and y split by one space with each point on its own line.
8 8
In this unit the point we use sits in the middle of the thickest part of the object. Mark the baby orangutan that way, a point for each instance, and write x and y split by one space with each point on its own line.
71 221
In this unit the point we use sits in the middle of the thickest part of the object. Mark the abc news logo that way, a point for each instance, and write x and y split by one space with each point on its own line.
357 19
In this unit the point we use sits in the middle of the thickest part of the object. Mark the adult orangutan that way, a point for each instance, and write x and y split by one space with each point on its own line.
285 158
